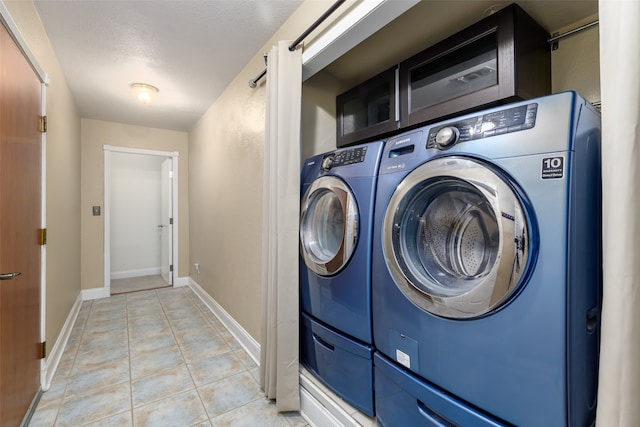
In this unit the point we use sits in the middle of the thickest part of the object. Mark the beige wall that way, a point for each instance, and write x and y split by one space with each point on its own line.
63 175
95 135
319 113
576 63
225 178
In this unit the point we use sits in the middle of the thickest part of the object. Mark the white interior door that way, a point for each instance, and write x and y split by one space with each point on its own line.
166 227
140 214
136 213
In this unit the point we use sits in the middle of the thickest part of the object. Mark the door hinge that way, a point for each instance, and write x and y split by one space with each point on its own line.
42 236
170 221
171 267
43 350
42 125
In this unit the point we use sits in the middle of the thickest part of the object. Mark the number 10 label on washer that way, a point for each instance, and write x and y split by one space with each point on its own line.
553 167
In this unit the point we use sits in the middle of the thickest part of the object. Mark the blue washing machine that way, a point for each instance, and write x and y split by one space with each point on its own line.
336 228
487 264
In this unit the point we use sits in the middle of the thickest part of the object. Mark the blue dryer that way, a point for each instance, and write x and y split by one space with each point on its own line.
336 227
487 266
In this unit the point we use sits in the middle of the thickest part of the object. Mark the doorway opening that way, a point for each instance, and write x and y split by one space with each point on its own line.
140 219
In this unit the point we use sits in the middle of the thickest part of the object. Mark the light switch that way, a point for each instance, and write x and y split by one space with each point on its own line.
96 211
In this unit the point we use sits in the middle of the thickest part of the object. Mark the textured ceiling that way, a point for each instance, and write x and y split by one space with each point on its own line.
190 49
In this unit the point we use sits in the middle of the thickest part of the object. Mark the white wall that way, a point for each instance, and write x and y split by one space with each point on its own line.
135 214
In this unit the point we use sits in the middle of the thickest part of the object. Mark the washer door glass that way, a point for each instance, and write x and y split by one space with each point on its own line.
456 238
328 225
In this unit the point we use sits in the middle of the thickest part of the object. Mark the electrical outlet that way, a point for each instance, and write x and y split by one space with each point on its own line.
196 265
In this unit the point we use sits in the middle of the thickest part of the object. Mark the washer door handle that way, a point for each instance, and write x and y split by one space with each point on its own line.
9 276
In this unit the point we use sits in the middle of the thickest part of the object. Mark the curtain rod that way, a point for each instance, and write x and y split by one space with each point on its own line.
553 41
254 82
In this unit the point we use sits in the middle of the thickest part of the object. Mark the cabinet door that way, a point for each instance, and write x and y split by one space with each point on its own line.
502 58
368 111
20 219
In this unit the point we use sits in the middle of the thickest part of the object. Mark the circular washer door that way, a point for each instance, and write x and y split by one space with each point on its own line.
456 238
328 225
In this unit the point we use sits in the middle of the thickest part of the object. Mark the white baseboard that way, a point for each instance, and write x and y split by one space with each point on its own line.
105 292
247 342
181 281
322 407
95 293
318 405
55 355
115 275
313 412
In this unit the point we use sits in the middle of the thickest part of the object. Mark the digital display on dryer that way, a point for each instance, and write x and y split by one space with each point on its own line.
495 123
506 118
349 156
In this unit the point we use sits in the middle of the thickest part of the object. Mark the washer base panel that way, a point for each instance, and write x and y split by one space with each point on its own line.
342 364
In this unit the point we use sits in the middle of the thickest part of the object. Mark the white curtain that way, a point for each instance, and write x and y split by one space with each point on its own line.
279 374
619 380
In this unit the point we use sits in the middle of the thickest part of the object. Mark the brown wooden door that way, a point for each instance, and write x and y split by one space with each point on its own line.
20 219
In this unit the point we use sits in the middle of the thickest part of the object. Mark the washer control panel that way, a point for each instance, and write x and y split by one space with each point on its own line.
495 123
344 157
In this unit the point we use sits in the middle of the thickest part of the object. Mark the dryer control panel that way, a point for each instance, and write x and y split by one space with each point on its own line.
344 157
491 124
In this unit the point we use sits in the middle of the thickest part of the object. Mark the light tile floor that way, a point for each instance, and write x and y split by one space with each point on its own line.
155 358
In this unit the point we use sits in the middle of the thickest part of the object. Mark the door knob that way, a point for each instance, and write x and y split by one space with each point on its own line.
9 276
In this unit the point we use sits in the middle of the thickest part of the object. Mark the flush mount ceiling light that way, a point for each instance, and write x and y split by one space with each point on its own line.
144 93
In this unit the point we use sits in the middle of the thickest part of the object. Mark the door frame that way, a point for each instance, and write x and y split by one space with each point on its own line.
174 155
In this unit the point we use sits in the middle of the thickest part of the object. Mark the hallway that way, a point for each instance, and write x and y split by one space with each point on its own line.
155 358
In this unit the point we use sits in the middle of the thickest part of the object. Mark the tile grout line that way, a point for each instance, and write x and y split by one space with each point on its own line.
231 350
210 323
75 358
168 302
186 364
126 308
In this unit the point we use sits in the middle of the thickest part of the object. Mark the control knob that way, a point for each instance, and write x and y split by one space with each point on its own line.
447 136
327 162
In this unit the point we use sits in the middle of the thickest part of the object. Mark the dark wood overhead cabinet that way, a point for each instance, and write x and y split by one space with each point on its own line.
502 58
368 110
